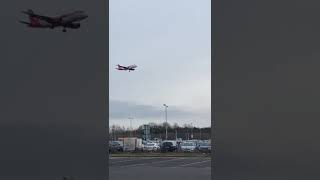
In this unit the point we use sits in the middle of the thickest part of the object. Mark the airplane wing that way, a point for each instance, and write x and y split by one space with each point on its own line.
132 67
123 67
66 15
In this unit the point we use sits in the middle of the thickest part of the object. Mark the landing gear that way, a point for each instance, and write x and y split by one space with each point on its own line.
64 30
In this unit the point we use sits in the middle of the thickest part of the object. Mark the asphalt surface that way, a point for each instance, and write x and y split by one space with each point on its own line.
159 168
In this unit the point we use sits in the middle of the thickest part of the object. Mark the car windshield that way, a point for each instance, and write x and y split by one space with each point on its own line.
167 144
150 144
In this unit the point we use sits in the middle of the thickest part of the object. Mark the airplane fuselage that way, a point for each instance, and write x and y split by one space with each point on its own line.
39 23
128 68
65 21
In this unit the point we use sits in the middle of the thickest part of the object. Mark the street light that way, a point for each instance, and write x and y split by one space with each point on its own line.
191 131
200 133
166 121
130 118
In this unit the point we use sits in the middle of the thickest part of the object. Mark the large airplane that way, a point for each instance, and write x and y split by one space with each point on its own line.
65 21
126 68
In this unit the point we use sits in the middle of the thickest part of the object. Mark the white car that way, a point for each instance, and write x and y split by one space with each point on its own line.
188 146
151 147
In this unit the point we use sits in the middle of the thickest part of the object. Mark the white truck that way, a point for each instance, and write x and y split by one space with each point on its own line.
139 145
132 144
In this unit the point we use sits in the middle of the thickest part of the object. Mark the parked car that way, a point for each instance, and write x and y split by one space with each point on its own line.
151 147
120 142
204 147
188 146
168 146
115 146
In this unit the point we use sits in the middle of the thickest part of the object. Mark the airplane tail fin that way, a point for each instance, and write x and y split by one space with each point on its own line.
31 14
28 12
31 17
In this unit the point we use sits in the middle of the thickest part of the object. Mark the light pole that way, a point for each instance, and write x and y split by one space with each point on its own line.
200 133
191 131
176 134
166 121
130 118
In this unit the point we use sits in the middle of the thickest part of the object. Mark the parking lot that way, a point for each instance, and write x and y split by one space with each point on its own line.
156 168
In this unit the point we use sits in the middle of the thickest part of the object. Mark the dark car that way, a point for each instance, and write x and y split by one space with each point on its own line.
168 147
204 147
115 147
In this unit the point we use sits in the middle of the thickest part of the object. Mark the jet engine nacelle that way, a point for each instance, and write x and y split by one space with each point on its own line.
74 25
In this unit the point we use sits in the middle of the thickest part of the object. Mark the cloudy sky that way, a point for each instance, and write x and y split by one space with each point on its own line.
170 42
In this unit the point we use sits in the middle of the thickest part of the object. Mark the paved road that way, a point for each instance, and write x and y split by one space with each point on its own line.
160 168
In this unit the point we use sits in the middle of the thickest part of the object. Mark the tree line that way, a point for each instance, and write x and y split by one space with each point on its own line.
185 132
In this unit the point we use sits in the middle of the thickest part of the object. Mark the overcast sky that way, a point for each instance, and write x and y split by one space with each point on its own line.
170 42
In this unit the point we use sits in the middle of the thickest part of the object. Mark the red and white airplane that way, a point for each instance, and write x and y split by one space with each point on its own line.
126 68
65 21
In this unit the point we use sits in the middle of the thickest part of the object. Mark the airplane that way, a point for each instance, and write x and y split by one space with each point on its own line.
126 68
66 21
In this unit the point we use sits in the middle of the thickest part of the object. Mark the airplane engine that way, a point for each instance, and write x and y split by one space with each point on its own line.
74 25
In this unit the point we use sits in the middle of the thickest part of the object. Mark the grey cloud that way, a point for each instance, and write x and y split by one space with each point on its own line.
123 109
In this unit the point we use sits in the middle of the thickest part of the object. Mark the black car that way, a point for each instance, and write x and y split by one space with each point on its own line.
115 147
168 147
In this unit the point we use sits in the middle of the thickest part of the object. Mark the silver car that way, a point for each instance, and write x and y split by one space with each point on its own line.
204 147
188 146
151 147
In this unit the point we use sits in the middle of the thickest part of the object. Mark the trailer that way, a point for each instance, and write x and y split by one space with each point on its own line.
129 144
139 145
132 144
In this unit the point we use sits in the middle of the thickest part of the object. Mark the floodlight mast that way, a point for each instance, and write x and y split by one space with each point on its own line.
166 120
130 118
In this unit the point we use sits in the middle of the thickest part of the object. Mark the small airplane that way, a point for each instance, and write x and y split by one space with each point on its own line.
65 21
126 68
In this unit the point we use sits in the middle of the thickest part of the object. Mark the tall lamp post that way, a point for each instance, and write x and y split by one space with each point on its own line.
191 131
200 133
166 121
130 126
